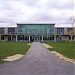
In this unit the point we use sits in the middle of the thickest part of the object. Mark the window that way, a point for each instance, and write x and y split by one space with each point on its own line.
1 30
60 30
11 30
69 29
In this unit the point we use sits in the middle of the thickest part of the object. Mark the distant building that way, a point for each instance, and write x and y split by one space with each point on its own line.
37 32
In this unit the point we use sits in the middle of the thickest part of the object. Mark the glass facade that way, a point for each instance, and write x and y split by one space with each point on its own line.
35 28
36 32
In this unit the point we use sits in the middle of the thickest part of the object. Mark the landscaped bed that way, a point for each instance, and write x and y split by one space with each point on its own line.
12 48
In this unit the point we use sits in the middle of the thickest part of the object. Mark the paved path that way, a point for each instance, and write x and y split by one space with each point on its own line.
38 61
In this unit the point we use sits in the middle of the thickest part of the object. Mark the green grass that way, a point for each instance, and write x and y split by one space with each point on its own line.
65 48
12 48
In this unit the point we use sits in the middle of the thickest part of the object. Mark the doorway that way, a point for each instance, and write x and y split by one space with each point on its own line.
36 37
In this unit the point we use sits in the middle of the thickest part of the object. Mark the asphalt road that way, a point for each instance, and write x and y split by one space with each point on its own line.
38 61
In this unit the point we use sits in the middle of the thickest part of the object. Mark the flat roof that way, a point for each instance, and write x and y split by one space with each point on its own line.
65 25
8 25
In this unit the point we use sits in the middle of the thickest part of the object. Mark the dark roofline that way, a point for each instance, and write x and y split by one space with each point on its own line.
34 24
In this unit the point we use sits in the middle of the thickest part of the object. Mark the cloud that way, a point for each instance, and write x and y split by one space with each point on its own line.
35 11
30 3
61 4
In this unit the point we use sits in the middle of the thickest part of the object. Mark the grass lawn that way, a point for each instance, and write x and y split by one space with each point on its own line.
12 48
65 48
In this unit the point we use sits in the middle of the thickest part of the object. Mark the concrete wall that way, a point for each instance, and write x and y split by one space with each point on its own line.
16 30
6 30
65 30
74 30
6 38
65 38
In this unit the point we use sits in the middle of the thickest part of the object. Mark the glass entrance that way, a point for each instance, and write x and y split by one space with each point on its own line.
36 38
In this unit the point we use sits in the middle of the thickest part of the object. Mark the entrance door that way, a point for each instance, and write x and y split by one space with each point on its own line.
36 38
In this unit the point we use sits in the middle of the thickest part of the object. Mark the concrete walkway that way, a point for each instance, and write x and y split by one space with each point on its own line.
38 61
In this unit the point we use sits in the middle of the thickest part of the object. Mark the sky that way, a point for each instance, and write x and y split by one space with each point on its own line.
36 11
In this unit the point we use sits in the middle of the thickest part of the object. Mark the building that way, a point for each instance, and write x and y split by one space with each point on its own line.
64 34
37 32
8 33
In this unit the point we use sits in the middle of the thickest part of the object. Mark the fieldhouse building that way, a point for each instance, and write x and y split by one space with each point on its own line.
37 32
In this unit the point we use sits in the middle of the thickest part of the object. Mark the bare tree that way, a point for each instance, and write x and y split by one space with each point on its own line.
72 19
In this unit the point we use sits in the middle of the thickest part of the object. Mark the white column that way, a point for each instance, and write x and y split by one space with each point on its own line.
74 38
16 38
29 38
71 37
42 38
0 37
54 37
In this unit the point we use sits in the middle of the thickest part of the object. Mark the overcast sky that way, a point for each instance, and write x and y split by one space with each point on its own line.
36 11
